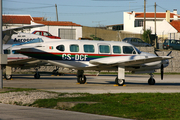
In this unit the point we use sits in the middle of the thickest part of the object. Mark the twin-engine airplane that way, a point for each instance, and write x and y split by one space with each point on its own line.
96 55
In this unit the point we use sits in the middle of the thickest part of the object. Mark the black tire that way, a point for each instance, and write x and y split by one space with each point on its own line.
81 80
151 81
55 72
119 82
8 77
37 76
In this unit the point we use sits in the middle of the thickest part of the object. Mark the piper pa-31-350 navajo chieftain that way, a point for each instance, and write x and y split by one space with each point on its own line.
96 55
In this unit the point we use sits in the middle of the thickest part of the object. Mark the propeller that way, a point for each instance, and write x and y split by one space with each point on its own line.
162 65
162 71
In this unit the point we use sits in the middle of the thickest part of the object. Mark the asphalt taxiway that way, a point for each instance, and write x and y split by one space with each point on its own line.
68 84
97 84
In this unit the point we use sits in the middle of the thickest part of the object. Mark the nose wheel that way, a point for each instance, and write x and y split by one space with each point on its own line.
119 82
151 80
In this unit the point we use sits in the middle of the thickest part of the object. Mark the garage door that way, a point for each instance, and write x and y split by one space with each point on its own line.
67 33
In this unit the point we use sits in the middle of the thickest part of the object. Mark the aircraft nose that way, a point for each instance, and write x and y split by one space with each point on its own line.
165 63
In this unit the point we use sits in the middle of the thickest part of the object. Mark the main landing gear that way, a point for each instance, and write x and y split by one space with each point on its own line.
37 75
120 79
151 80
81 78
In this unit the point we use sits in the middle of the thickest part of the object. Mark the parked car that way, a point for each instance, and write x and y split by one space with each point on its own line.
46 34
171 44
136 42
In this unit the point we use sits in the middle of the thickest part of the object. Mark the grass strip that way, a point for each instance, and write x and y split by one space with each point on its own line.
140 106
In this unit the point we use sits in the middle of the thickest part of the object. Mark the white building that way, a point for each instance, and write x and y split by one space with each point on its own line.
63 29
133 22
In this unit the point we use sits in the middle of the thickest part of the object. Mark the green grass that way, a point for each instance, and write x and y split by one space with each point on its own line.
141 106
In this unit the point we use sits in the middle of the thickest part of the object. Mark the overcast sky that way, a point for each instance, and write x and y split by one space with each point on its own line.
86 12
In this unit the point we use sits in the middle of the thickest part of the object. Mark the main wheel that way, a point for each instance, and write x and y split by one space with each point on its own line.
37 76
81 79
151 81
55 72
8 77
119 82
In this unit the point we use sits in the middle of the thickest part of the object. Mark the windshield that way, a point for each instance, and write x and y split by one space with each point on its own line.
139 52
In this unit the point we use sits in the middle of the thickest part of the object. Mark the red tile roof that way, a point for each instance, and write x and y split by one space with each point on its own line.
38 18
16 19
57 23
176 24
26 19
151 15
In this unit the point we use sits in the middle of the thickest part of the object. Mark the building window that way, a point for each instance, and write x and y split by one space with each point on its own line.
67 33
89 48
138 23
74 48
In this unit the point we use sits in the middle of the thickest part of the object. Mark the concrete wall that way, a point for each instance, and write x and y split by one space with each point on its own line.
107 35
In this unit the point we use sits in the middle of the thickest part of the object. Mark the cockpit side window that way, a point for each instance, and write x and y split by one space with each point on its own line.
60 47
128 50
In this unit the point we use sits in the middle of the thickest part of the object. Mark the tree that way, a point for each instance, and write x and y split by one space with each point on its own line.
95 38
146 36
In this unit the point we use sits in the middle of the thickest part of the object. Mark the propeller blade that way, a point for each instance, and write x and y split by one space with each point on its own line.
169 53
156 53
162 71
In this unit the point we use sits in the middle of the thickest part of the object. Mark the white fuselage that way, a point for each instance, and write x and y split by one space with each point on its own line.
77 54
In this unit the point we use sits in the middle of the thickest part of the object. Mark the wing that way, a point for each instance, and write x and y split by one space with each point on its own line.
26 63
128 60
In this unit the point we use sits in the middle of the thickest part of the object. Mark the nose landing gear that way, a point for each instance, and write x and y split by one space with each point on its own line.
151 80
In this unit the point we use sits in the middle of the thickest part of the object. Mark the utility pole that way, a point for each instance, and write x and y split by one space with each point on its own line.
1 48
3 57
144 15
155 25
56 12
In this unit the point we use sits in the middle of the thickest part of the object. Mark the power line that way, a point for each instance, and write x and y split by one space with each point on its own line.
64 5
25 2
28 8
67 14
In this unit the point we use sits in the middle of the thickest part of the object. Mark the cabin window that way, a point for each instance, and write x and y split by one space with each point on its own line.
104 48
60 47
128 50
74 48
116 49
89 48
7 52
